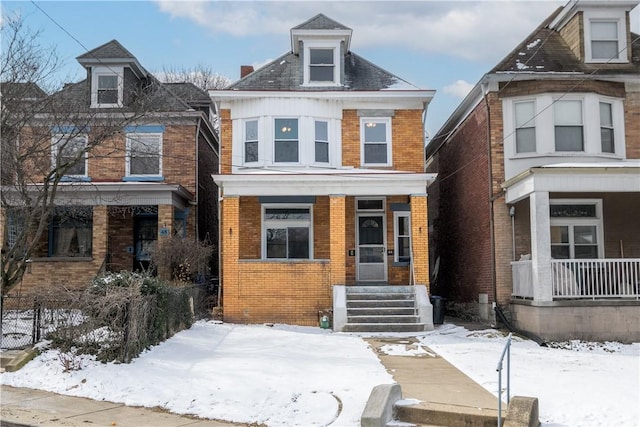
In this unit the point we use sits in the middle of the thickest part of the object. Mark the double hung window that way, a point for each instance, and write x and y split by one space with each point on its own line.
144 154
107 89
286 143
321 65
402 236
525 127
251 141
606 128
322 141
70 155
375 136
287 232
604 40
569 133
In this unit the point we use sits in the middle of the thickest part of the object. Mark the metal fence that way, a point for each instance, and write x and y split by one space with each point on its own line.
28 319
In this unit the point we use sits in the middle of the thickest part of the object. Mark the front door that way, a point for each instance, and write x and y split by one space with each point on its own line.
145 235
371 256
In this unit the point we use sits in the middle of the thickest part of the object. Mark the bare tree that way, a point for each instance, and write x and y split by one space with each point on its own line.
46 135
203 76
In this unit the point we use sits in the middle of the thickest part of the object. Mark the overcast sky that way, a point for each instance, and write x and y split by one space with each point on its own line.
441 45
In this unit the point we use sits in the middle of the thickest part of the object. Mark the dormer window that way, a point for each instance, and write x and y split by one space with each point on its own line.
321 66
106 87
321 63
605 36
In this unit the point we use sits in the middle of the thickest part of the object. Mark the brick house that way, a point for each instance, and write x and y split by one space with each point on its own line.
323 184
147 179
536 203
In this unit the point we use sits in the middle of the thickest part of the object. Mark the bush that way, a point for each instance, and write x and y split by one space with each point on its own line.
126 313
183 260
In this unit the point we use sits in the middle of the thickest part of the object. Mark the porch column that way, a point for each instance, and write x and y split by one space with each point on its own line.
419 239
100 236
165 221
540 246
230 241
337 238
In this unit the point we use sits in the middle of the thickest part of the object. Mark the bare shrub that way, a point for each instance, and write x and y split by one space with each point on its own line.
182 260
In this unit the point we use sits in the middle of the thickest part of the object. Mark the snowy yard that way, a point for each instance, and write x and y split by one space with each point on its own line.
285 376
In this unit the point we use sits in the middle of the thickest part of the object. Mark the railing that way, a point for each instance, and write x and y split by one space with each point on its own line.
506 350
596 278
522 272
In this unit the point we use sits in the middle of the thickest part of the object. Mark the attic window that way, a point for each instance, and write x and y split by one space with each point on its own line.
321 66
108 89
605 36
604 40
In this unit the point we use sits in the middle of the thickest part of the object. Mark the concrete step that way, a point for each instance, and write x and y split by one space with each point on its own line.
379 303
445 415
378 289
382 319
381 311
384 327
380 296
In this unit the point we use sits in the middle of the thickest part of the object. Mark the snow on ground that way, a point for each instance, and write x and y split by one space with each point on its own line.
286 376
581 384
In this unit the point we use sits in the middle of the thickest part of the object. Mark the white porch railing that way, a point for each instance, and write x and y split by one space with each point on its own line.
596 278
582 278
522 273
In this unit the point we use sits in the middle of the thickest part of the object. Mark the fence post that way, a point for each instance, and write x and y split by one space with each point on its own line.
127 328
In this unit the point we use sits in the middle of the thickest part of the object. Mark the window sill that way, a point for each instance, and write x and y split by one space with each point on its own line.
521 156
142 178
400 264
63 259
72 178
285 261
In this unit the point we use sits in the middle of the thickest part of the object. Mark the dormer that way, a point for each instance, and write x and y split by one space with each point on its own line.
597 31
322 44
110 69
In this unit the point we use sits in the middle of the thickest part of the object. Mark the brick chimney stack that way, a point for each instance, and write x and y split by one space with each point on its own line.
245 70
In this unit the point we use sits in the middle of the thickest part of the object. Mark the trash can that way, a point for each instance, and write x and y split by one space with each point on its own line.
438 309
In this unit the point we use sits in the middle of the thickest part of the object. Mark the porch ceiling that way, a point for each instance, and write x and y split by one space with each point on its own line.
349 184
575 178
120 194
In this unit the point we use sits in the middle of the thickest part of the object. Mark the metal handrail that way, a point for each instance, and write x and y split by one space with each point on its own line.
506 350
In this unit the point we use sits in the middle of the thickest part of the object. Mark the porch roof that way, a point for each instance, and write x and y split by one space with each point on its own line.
355 182
604 177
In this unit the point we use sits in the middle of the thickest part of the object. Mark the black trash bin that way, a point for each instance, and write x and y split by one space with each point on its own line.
438 309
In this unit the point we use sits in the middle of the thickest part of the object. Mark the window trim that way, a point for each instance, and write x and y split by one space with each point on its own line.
327 142
130 136
611 127
605 16
265 224
57 140
321 44
51 233
396 236
95 78
531 123
571 222
299 140
388 122
557 102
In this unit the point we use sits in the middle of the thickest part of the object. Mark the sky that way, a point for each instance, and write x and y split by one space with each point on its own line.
441 45
252 374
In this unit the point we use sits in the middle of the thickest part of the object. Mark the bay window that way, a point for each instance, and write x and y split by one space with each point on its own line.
251 141
285 143
606 128
321 141
569 133
525 126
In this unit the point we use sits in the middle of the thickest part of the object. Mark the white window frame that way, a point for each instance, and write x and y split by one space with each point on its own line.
606 15
300 122
133 136
571 222
266 224
396 234
611 127
321 44
327 141
363 123
529 124
101 71
581 124
60 139
245 140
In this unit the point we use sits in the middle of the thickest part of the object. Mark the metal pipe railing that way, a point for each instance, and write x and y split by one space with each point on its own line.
506 350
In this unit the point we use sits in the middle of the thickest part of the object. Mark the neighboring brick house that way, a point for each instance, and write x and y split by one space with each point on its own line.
149 179
322 179
536 202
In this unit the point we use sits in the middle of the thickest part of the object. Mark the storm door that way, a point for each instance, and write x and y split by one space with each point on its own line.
371 239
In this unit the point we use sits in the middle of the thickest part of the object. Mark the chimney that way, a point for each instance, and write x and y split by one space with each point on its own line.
245 70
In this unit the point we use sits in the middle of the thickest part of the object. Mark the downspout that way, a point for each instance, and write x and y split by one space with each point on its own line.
219 200
485 93
197 179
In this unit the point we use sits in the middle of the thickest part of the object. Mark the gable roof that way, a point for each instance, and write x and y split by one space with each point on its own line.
111 53
321 22
545 51
26 91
